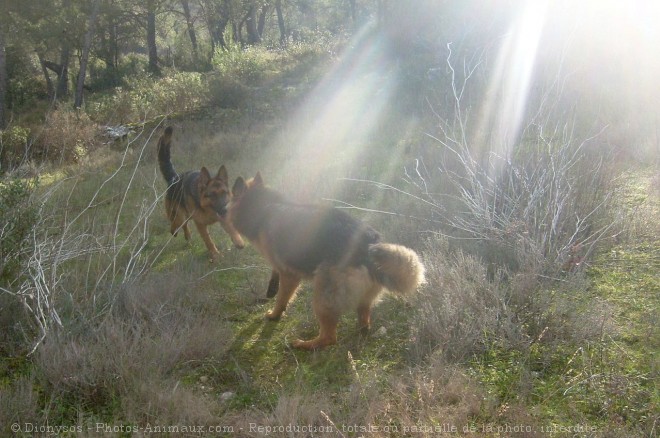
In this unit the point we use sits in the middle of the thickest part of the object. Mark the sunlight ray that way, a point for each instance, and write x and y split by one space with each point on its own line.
503 111
333 125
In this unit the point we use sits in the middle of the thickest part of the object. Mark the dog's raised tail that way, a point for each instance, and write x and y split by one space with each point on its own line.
164 160
396 267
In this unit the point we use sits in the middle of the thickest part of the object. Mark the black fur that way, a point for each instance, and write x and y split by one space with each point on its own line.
322 234
273 284
164 157
181 186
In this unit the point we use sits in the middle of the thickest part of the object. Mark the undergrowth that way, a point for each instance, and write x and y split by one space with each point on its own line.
528 319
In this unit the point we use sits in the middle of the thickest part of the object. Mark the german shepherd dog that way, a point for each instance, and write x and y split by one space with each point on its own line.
345 258
195 195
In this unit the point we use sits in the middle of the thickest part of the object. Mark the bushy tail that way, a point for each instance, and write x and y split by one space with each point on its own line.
164 161
396 267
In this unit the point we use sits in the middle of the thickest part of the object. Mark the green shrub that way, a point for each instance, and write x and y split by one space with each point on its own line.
180 92
66 137
143 98
226 92
17 216
247 65
14 147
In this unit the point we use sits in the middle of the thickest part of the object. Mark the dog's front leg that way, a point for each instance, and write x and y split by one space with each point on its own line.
204 232
288 285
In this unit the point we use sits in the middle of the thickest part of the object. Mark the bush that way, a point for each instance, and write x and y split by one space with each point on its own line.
66 137
129 357
14 147
465 309
17 216
247 65
225 92
540 201
143 98
180 92
460 307
545 210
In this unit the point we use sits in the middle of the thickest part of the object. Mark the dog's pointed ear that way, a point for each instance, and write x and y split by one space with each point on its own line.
239 187
204 178
222 174
258 180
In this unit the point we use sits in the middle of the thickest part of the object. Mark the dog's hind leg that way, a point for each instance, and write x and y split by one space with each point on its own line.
328 319
327 314
287 288
366 304
332 292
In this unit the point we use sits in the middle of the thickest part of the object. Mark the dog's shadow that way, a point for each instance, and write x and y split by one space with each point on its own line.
254 338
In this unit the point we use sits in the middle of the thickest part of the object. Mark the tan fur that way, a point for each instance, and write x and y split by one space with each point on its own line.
351 280
195 196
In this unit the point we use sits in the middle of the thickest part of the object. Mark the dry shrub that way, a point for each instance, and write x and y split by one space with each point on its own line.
133 354
547 207
459 305
18 404
463 310
557 312
66 137
293 415
159 401
438 395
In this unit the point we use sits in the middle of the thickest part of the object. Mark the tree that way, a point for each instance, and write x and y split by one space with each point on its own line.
190 26
3 78
62 69
87 43
251 25
280 21
152 49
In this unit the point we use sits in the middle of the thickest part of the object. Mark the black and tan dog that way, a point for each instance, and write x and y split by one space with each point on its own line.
195 195
345 257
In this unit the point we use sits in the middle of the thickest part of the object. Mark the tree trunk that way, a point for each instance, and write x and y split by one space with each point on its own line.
65 54
280 22
251 26
191 27
110 51
49 82
114 44
151 37
87 43
353 13
237 34
63 72
261 24
217 18
3 80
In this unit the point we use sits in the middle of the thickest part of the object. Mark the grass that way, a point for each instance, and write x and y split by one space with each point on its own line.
152 333
609 380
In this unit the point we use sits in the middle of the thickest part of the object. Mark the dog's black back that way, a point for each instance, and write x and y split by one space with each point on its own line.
305 236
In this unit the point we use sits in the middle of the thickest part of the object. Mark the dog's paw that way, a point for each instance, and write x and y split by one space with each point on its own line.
299 343
313 344
273 316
